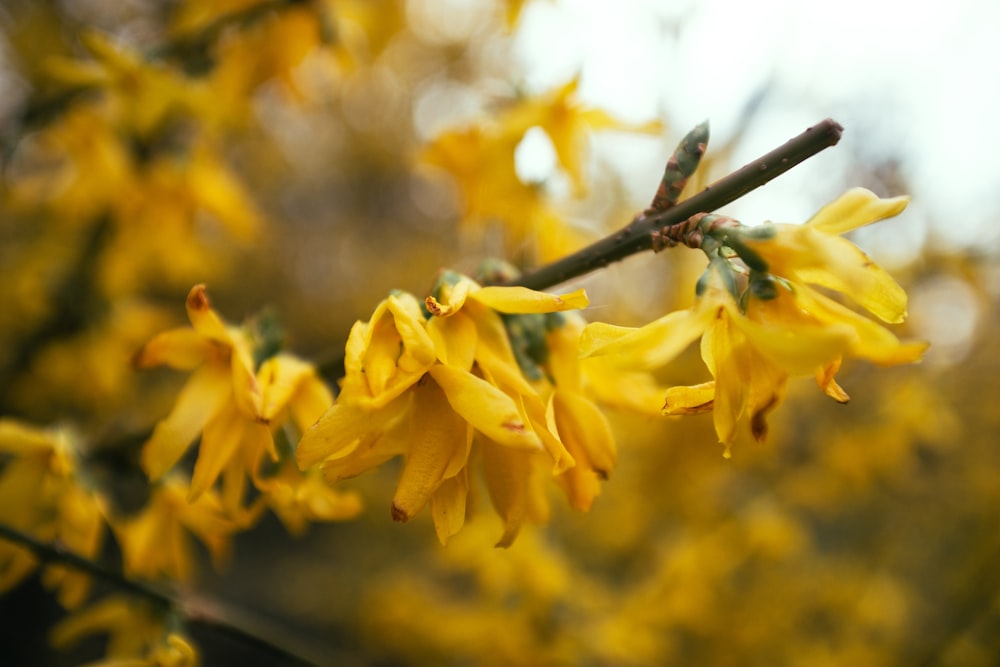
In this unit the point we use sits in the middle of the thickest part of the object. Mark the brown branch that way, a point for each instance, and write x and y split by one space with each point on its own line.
195 610
637 235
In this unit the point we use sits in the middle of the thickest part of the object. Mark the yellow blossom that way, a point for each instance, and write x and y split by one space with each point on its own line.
783 327
221 395
137 634
41 494
813 253
155 542
567 122
140 93
424 389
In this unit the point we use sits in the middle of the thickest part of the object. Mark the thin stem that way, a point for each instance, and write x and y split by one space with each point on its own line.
637 235
194 610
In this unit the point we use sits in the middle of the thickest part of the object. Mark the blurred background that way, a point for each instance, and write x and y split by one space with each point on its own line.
308 157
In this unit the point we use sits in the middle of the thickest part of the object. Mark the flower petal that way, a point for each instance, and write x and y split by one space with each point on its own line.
652 345
485 407
844 267
855 208
205 320
448 505
439 441
182 348
206 391
692 400
524 300
219 442
338 428
454 340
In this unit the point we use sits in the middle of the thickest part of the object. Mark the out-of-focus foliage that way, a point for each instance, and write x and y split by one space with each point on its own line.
314 155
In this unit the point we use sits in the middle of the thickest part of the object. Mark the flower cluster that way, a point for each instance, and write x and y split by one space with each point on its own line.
44 493
761 318
438 382
242 414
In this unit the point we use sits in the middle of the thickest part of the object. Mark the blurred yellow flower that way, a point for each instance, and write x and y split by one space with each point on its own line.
222 400
41 494
155 542
141 93
568 124
137 634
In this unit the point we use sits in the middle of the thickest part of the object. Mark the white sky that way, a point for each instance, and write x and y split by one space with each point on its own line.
919 83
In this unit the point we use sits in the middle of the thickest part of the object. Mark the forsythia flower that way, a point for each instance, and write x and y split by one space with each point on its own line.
137 635
155 542
237 412
222 399
779 326
40 493
424 388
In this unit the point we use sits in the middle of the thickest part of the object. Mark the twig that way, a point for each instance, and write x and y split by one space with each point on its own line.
194 610
637 235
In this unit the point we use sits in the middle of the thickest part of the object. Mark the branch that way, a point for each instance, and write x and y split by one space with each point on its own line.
637 235
194 610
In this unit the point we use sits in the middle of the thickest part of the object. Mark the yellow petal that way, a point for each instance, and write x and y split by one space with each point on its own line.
796 344
418 348
871 340
338 428
285 379
206 391
452 296
205 320
765 392
842 266
507 472
246 389
524 300
182 348
731 378
308 404
691 400
448 505
489 410
454 339
21 439
826 379
219 442
368 453
563 363
585 430
650 346
439 440
105 614
855 208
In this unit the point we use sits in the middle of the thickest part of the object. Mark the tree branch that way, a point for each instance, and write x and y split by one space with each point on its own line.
637 235
195 610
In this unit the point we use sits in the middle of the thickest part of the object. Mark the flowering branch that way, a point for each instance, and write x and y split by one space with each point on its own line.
193 610
638 235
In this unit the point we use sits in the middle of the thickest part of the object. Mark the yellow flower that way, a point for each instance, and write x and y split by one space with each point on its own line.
423 388
221 400
41 494
137 635
141 94
155 542
568 123
237 413
751 351
813 253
